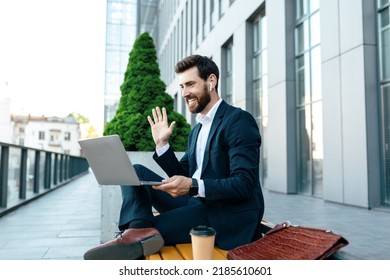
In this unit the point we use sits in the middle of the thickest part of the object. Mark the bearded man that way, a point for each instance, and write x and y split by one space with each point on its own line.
216 183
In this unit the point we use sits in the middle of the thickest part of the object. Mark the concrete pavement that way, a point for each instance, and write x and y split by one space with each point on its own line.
66 222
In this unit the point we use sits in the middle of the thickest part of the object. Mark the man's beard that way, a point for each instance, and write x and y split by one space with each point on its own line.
203 101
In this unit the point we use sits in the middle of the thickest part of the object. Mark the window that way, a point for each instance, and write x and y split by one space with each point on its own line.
384 66
197 23
223 6
41 135
308 97
384 38
212 14
227 91
175 100
67 136
204 22
259 67
260 85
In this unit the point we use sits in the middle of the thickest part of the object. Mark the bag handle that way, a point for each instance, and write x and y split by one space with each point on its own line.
287 224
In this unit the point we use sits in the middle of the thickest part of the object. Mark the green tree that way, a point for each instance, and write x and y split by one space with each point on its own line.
141 91
80 118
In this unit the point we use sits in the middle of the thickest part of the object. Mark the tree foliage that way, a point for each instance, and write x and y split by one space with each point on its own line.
141 91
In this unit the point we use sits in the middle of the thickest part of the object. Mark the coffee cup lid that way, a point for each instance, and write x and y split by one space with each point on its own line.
202 231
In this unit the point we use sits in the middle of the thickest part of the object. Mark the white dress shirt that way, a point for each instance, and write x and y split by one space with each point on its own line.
206 121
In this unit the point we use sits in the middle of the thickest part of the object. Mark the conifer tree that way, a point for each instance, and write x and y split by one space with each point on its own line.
141 91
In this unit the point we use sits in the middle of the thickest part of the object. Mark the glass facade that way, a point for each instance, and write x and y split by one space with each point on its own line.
384 39
120 35
384 66
227 93
309 98
260 85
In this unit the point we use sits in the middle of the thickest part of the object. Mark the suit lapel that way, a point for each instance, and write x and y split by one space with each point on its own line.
192 148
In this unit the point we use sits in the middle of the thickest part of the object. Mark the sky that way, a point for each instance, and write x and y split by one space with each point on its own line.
52 57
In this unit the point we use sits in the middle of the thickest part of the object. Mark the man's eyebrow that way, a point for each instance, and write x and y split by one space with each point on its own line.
187 83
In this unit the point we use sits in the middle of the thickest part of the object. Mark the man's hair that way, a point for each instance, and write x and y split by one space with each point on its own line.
205 65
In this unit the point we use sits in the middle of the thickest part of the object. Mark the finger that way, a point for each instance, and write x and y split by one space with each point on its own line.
154 115
164 115
172 126
158 112
150 121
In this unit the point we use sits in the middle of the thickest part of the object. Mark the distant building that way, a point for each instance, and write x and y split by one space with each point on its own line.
48 133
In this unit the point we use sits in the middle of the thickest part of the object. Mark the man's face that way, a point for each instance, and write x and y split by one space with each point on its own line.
194 90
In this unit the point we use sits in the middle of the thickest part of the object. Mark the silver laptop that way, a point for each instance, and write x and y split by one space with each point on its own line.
110 162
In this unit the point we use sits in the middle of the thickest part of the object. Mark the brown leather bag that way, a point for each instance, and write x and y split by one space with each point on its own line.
287 242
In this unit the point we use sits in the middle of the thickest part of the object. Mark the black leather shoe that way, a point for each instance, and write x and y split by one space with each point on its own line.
132 244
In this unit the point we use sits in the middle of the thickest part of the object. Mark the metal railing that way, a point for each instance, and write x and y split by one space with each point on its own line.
27 173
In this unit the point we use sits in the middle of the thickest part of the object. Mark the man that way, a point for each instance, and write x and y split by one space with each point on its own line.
216 183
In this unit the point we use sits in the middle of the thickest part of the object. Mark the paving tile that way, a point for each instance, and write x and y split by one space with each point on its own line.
23 253
64 253
54 242
79 233
66 222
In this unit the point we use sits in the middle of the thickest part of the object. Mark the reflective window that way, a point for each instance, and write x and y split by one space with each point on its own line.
304 150
384 41
228 94
120 36
260 86
308 97
386 144
384 59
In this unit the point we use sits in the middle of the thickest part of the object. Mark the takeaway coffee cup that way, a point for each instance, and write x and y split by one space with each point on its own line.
203 238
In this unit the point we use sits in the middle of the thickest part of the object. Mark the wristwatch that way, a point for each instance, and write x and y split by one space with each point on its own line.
193 188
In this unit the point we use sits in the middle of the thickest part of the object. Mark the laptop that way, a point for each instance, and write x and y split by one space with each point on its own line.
110 162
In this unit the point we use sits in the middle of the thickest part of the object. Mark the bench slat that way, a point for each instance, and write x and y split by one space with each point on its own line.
186 251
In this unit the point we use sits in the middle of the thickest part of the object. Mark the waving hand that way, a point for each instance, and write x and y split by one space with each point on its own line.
160 129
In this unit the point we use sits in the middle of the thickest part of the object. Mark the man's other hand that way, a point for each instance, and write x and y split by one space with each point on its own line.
175 185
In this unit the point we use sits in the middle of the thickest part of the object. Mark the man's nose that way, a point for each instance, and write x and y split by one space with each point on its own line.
184 92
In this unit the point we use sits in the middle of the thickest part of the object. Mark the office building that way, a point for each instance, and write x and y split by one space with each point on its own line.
314 73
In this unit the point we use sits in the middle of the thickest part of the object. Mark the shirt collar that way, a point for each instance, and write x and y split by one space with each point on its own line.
209 117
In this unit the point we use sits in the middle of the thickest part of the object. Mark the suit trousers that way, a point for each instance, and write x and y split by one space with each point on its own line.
177 216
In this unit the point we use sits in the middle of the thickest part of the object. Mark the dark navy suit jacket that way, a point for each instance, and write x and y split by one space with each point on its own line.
230 173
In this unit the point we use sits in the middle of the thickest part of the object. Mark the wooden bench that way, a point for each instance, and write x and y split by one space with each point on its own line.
184 251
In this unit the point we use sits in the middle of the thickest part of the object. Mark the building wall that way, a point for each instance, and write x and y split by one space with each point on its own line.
52 134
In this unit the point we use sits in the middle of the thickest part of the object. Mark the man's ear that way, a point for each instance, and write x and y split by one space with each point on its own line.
213 80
